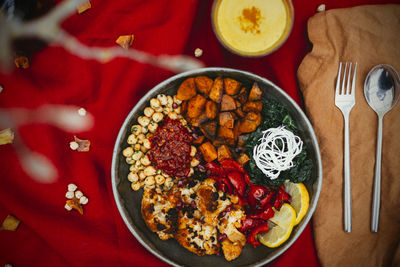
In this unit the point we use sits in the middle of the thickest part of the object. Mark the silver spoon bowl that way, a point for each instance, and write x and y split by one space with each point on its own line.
381 89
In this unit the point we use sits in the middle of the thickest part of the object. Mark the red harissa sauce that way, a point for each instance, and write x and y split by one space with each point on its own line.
170 148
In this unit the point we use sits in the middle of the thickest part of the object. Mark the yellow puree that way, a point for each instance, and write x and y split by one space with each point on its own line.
251 26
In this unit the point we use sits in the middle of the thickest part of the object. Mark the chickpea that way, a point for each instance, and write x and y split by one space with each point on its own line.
129 160
157 117
137 155
136 129
133 177
145 129
148 111
143 149
177 110
141 137
167 110
163 99
145 161
173 115
168 184
153 126
128 152
183 122
143 120
149 171
177 101
170 101
193 151
194 162
142 176
191 172
138 165
149 180
132 139
159 179
135 186
146 143
137 147
155 103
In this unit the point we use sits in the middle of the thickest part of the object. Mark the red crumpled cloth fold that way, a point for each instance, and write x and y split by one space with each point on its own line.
51 236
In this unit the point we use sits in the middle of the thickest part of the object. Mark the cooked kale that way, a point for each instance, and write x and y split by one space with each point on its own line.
274 114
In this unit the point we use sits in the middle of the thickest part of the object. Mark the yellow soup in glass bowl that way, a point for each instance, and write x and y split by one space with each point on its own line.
252 27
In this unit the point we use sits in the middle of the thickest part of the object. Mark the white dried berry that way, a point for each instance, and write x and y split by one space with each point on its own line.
82 112
321 8
83 200
78 194
72 187
67 207
198 52
73 145
70 194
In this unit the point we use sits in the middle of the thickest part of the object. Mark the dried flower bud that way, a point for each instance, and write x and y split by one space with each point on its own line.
10 223
198 52
6 136
21 62
84 7
125 41
82 112
72 187
321 8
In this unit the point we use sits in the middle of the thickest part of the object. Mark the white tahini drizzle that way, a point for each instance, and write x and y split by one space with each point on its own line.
270 157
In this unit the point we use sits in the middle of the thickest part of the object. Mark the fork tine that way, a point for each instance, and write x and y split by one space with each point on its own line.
348 80
353 83
342 91
338 80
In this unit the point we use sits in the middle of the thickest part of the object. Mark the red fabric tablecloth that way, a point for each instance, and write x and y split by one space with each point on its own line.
51 236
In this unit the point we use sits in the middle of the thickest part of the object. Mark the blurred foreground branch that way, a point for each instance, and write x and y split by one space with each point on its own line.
48 29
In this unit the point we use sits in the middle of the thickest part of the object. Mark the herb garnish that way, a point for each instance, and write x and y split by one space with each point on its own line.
274 115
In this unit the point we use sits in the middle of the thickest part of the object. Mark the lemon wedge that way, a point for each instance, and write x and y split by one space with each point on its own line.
300 199
284 221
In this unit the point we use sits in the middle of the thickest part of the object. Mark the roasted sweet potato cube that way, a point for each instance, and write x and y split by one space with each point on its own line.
209 129
255 106
255 92
226 119
232 86
240 112
217 90
236 131
228 103
242 96
203 84
250 123
211 109
224 152
238 104
196 105
218 142
186 90
197 120
225 132
198 140
184 107
243 159
208 151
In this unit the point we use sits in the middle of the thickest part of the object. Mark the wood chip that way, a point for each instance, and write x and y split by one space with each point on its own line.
125 41
10 223
74 203
21 62
6 136
84 7
83 145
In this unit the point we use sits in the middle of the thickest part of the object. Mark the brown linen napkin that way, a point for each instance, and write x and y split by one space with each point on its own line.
369 35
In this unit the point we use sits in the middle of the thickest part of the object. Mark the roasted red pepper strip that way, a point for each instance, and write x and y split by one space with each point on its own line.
265 214
267 199
214 168
231 165
281 197
256 193
251 237
249 223
237 180
247 179
228 184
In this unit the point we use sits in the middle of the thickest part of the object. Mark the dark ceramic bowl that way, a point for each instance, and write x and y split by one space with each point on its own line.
129 202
